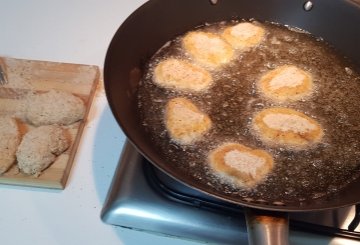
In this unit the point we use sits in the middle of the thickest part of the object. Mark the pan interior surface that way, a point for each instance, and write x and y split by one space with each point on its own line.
232 101
124 67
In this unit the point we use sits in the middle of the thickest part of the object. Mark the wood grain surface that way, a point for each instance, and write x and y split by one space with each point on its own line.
30 76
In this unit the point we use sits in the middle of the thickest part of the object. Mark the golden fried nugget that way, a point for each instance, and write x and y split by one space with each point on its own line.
248 166
208 49
243 35
181 75
287 127
286 83
184 121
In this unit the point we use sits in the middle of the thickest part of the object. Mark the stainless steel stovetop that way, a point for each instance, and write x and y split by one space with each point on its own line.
143 198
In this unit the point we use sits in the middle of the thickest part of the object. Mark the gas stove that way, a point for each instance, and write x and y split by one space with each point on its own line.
141 197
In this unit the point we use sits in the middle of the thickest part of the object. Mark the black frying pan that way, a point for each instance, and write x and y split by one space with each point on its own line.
158 21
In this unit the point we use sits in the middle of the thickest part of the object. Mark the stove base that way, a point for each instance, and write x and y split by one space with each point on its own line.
134 202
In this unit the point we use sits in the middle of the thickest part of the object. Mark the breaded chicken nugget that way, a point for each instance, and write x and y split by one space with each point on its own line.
247 166
9 141
207 49
39 148
286 83
243 35
54 107
185 122
181 75
287 127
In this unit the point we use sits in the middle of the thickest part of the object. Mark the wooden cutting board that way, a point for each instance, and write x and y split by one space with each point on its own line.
26 76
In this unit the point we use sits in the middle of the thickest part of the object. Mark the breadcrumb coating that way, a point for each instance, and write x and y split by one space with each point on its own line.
9 141
287 127
208 49
54 107
39 148
244 35
248 166
185 122
286 83
181 75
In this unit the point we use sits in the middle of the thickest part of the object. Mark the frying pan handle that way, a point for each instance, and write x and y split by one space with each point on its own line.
267 227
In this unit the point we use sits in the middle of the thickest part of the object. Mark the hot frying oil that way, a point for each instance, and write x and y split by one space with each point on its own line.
233 99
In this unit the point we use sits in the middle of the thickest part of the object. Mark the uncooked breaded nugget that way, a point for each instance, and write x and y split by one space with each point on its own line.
243 35
39 148
287 127
181 75
208 49
184 121
9 141
54 107
286 83
248 166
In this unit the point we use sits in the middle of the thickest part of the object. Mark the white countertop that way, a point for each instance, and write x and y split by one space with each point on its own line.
76 31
